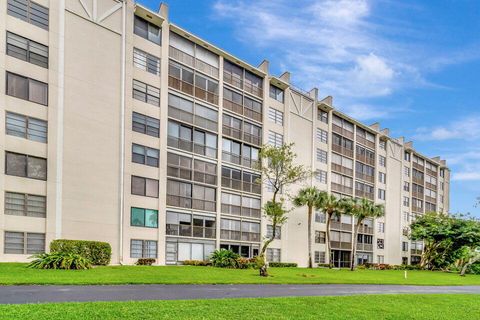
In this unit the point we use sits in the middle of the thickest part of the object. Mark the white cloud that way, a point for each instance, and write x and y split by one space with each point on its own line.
464 129
466 176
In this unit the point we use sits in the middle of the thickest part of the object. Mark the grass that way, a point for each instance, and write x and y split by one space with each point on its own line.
19 274
438 307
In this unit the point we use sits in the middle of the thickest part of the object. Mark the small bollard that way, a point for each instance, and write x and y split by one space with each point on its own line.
405 274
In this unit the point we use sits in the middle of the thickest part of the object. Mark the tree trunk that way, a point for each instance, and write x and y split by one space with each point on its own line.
354 246
310 264
327 244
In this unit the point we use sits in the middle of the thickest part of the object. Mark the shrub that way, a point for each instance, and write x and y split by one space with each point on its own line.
282 265
202 263
145 262
224 258
99 253
474 268
60 260
246 263
323 265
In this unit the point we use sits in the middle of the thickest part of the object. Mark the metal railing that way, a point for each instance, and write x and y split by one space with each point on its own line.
342 150
342 131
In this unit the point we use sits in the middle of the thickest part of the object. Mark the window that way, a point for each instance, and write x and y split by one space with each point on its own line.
240 205
382 161
406 186
144 187
146 61
407 156
24 243
406 201
404 246
416 203
382 177
321 176
322 156
275 116
140 217
381 227
380 259
29 11
319 237
276 93
179 250
442 173
275 139
322 116
146 93
231 151
143 249
29 205
406 170
27 89
239 230
343 124
145 124
192 139
27 50
147 30
185 110
380 244
22 165
188 225
278 231
320 217
430 207
188 195
383 144
319 257
273 255
381 194
145 155
26 127
322 135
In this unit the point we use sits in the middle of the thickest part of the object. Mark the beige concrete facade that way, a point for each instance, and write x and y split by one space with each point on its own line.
137 105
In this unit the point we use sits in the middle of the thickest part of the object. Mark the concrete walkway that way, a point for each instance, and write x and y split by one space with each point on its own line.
35 294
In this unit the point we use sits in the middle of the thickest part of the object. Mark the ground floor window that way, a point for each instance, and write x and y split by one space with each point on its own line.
143 248
380 259
179 250
24 242
363 257
244 250
319 257
404 260
273 255
415 260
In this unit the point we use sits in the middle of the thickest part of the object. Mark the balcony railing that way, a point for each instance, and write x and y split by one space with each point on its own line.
342 131
363 158
190 231
431 172
416 251
366 229
186 202
340 226
341 169
253 139
364 177
188 88
232 183
341 245
249 162
252 187
231 157
364 246
179 172
363 194
206 95
232 106
240 211
431 186
342 150
418 166
252 114
342 189
232 132
188 145
256 91
418 195
232 79
365 142
430 199
418 180
237 235
189 60
204 177
417 209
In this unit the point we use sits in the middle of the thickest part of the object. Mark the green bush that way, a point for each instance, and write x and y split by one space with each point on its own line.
323 265
99 253
201 263
247 263
474 268
282 264
60 260
145 262
224 259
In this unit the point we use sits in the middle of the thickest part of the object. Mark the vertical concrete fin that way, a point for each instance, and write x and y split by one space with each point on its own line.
163 10
285 77
264 66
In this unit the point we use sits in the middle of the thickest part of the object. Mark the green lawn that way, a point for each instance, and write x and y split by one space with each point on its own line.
426 307
17 273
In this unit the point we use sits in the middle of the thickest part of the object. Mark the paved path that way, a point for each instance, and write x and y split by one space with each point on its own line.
34 294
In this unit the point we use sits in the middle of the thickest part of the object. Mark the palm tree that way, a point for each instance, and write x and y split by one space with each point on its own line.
331 206
362 209
309 197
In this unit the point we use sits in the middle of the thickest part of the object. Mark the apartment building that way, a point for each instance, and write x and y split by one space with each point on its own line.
119 126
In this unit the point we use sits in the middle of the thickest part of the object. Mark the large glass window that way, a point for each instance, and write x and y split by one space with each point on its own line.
145 124
143 248
25 166
140 217
146 61
276 93
27 50
144 187
147 30
24 243
145 155
27 89
29 11
20 204
26 127
146 93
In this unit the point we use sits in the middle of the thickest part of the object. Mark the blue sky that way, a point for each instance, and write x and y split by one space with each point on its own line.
411 65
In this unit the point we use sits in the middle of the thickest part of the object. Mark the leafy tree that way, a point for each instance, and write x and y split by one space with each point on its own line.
446 238
332 207
472 256
361 209
279 171
309 197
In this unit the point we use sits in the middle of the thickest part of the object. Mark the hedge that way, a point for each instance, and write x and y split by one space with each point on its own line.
282 264
99 253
